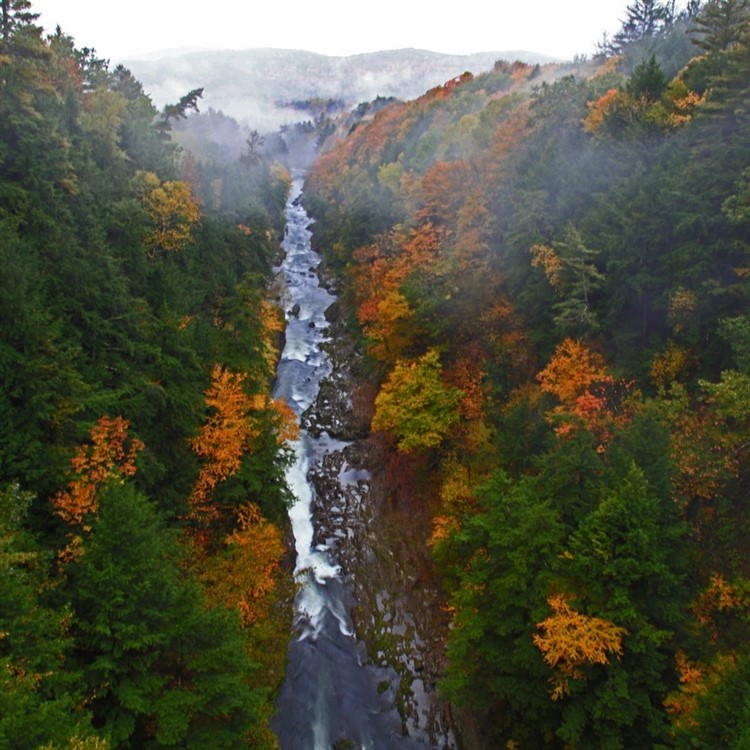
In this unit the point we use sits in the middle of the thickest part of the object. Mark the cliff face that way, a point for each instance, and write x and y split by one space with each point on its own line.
381 522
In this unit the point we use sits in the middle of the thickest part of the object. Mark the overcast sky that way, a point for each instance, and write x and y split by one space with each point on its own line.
121 29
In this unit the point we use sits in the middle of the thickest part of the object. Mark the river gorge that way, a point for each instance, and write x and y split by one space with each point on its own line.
335 694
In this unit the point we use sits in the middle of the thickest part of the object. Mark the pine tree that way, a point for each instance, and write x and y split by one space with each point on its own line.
644 20
38 689
720 24
160 669
16 17
620 560
512 553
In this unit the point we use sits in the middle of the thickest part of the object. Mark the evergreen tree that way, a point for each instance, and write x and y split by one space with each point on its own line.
622 568
513 550
720 24
644 19
160 669
647 81
16 17
39 692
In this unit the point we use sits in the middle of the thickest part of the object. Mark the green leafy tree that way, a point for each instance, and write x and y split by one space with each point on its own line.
415 404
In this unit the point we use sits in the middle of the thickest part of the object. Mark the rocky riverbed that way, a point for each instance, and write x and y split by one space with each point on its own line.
377 525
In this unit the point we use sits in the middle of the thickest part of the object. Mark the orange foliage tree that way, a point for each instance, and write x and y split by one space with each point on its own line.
572 369
223 439
380 269
589 396
420 250
109 456
473 232
243 574
721 605
697 680
235 421
444 189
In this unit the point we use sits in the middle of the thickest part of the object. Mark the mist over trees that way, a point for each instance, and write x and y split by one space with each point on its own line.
546 265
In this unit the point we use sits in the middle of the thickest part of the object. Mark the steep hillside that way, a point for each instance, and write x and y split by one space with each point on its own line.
548 272
142 458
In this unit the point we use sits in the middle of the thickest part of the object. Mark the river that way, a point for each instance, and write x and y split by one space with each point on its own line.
332 697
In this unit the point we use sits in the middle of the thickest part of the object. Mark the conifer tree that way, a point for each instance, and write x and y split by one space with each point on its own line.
38 689
15 16
720 24
160 669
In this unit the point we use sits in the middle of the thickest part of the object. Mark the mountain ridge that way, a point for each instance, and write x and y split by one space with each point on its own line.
258 85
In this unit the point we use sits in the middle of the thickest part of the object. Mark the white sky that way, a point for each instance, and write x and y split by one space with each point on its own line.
120 29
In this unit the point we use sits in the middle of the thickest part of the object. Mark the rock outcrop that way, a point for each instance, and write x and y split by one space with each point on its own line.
378 524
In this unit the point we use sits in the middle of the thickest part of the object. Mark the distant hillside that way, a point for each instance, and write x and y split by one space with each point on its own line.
258 85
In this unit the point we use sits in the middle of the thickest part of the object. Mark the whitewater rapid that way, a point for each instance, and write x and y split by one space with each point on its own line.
332 697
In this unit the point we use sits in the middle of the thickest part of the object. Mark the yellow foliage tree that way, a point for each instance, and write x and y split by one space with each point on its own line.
387 324
243 576
81 743
570 640
101 118
415 404
272 323
173 211
544 257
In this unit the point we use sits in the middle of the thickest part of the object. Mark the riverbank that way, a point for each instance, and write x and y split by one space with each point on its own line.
367 511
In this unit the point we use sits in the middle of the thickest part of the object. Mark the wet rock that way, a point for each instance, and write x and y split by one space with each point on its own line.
332 312
378 531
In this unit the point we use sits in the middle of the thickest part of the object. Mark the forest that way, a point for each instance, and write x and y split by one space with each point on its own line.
142 499
547 267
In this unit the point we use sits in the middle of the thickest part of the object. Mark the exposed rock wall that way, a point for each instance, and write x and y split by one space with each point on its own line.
379 521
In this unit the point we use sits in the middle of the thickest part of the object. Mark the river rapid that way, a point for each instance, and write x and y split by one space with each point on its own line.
332 698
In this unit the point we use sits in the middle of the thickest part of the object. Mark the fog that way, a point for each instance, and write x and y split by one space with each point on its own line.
258 86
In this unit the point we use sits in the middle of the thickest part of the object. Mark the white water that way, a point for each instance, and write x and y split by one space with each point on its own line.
330 694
